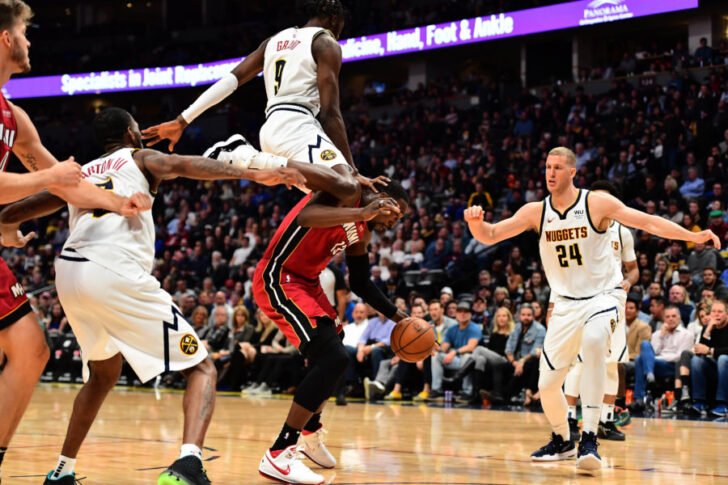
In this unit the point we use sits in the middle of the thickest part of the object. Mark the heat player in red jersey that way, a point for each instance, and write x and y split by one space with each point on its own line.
286 287
20 336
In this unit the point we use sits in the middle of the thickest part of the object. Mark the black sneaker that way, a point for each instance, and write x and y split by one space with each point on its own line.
64 480
436 396
588 460
554 450
574 429
185 471
608 431
341 399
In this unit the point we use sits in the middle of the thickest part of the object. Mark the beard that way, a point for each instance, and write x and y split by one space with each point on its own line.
20 57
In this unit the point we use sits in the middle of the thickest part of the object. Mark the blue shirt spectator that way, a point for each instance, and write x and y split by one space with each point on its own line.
694 187
378 329
521 344
458 337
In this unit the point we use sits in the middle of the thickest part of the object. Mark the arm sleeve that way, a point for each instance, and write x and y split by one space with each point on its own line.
213 95
362 285
628 254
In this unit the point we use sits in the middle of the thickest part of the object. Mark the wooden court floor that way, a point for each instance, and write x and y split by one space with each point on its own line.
138 433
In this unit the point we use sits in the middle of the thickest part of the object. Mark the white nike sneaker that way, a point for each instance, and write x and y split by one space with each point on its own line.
235 151
286 467
315 450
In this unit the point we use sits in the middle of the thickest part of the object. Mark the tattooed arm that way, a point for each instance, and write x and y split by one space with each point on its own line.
164 167
36 158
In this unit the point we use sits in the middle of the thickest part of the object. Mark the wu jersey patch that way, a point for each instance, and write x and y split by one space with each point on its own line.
188 344
328 155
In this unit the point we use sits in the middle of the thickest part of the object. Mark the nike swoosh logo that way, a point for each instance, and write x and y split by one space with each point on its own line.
285 472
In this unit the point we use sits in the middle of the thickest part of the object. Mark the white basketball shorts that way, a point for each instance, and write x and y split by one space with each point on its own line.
111 313
291 131
568 319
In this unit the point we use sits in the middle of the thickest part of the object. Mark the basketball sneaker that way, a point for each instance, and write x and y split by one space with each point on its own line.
188 470
555 450
235 151
608 431
588 460
315 450
64 480
285 466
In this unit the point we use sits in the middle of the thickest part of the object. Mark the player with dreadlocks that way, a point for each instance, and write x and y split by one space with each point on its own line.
300 67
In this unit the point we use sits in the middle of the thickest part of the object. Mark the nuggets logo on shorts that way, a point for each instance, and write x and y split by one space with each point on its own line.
188 344
613 324
328 155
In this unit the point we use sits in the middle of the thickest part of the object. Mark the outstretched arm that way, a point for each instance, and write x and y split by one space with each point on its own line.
36 157
248 68
357 260
165 167
610 207
526 218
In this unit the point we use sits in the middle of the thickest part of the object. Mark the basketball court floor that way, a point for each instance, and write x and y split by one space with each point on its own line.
138 434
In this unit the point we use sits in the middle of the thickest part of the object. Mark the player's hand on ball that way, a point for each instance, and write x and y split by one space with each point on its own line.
275 176
171 130
12 237
474 214
384 206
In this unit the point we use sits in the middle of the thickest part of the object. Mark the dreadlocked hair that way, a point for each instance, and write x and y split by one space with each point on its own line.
323 9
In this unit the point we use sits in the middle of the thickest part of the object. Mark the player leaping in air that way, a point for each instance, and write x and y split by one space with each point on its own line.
300 68
586 290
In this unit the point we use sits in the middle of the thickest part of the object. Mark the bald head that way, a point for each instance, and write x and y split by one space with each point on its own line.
359 313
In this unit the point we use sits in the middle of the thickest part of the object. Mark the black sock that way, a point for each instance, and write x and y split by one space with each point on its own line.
2 454
619 402
678 393
314 423
286 438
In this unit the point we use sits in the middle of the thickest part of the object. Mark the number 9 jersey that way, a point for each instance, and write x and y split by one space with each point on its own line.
578 259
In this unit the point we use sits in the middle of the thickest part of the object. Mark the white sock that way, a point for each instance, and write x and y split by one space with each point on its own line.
607 413
572 412
190 450
267 160
64 467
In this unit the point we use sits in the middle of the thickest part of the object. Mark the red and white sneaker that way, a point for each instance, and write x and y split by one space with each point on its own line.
285 466
315 450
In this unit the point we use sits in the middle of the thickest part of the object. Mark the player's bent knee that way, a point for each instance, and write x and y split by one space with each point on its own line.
105 373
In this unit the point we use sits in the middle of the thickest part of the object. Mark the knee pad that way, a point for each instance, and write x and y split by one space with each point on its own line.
612 385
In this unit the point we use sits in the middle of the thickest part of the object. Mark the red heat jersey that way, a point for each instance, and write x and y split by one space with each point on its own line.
305 251
8 130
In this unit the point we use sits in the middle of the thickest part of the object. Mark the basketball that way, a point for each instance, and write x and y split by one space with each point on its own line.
412 339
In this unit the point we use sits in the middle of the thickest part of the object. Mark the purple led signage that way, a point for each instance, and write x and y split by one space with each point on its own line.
436 36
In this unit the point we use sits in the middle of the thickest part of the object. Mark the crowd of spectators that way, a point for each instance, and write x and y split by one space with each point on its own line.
665 146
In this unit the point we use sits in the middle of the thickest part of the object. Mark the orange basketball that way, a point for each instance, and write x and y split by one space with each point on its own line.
412 339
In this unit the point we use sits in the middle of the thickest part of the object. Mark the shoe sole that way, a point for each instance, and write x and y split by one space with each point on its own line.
170 477
210 151
560 457
319 464
588 464
287 482
612 437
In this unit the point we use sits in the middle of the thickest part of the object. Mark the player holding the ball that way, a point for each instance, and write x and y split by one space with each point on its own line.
287 289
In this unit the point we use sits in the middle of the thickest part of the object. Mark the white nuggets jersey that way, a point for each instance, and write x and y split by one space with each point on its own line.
577 258
622 244
124 245
289 69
